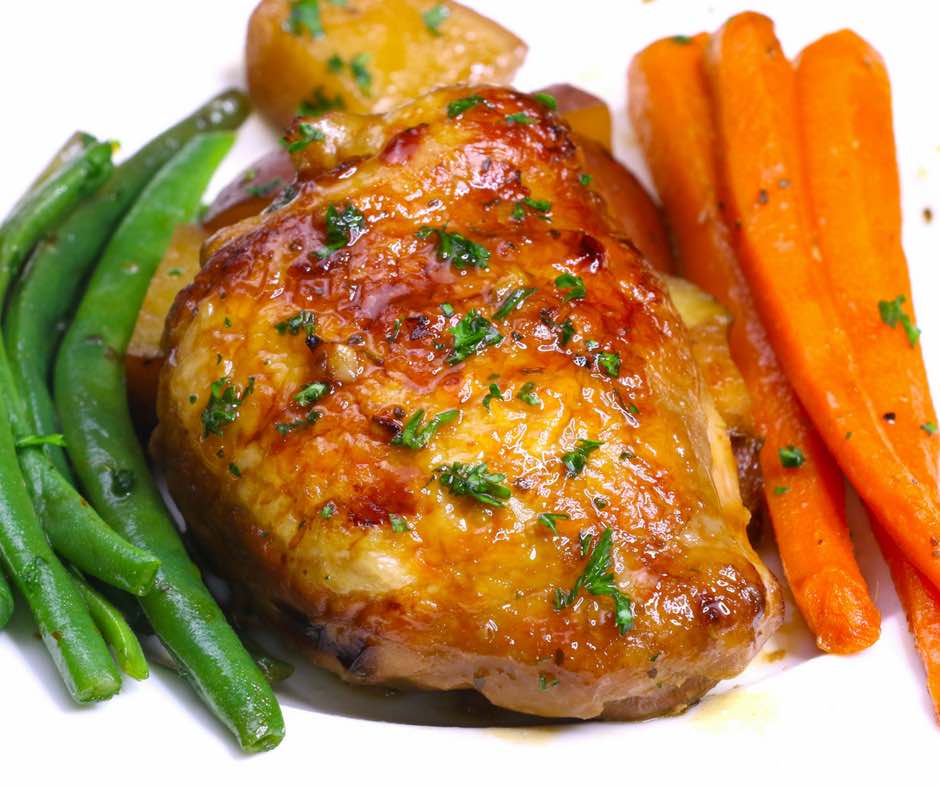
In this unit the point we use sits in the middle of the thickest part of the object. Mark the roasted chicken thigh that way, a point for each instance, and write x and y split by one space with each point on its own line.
443 424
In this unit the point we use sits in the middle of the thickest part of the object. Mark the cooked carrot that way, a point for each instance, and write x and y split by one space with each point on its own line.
670 110
844 100
754 90
631 207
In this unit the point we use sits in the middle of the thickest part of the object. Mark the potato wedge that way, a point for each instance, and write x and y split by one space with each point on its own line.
252 191
588 115
368 55
144 355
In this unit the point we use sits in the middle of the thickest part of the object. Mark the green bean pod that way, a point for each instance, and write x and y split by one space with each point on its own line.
6 601
115 630
44 297
90 390
46 205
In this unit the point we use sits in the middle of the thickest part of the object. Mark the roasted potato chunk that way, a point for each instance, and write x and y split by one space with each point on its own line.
304 57
588 115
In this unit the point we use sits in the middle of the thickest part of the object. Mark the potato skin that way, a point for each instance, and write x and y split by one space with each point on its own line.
405 58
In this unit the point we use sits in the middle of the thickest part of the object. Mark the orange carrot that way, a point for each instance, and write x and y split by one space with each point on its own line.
844 100
629 204
670 110
754 90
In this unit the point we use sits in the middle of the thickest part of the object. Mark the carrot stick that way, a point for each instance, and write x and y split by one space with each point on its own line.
754 89
671 113
844 100
629 205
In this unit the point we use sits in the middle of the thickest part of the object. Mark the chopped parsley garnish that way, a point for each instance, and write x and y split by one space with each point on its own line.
600 503
472 334
475 481
310 394
598 580
399 523
308 133
304 320
392 336
566 331
527 394
546 99
495 393
447 310
262 190
175 272
318 103
414 436
610 363
461 105
304 17
781 490
571 285
335 64
585 179
53 439
929 427
234 470
511 301
541 207
328 510
892 313
286 427
342 229
434 17
576 459
791 457
361 73
682 40
457 248
223 405
546 683
521 119
550 520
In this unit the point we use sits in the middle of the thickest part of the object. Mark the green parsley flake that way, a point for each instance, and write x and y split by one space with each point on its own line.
527 394
361 73
234 470
392 335
546 99
495 393
414 436
472 334
791 457
550 520
541 207
571 285
513 300
461 105
434 17
610 363
457 248
310 394
585 179
475 481
342 229
318 103
576 459
520 119
52 439
781 490
684 40
566 331
929 427
892 313
304 17
399 523
447 310
284 428
308 133
304 320
598 580
328 510
547 683
335 64
223 405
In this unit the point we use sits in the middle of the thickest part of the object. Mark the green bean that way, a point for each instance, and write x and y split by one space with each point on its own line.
79 535
45 206
116 632
91 394
6 601
44 297
63 620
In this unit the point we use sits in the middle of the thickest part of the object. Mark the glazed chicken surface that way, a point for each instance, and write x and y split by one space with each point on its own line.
444 424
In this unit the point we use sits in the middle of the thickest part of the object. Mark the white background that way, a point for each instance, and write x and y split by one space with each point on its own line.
125 70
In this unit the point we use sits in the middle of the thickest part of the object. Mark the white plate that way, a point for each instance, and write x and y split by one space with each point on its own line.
128 69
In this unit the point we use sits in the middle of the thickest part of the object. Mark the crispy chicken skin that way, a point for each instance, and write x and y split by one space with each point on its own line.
356 545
